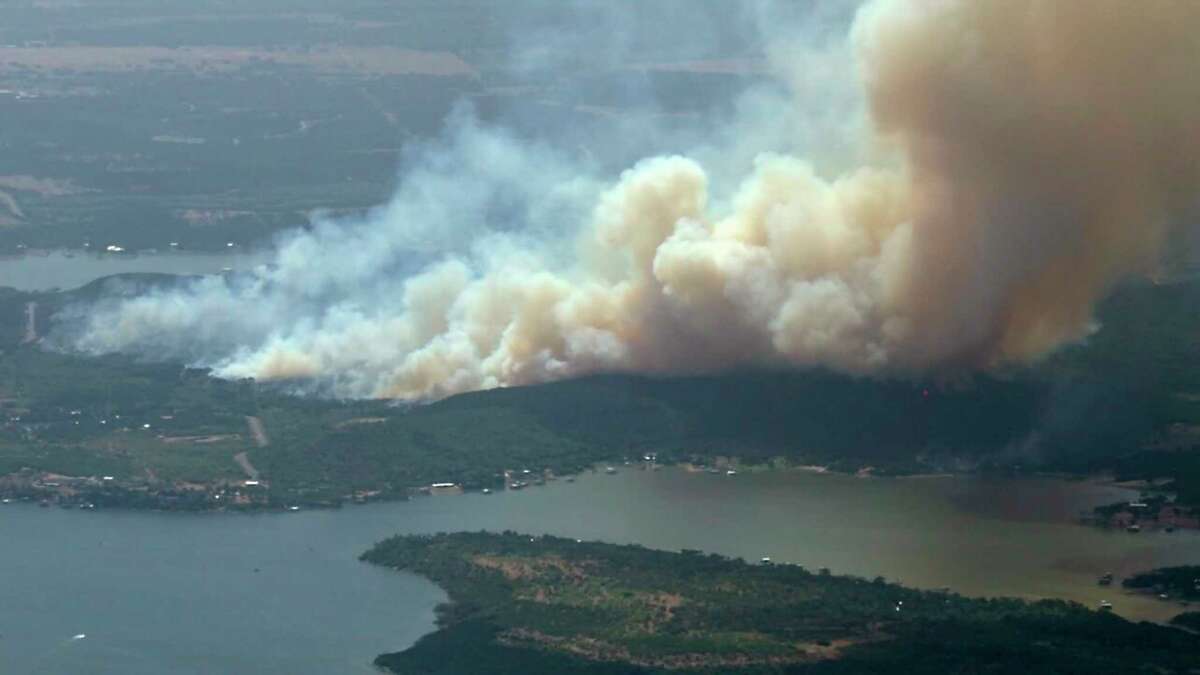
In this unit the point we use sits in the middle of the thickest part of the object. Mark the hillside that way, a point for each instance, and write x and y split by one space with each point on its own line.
1128 399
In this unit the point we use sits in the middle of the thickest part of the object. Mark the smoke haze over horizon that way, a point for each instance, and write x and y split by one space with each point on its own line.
947 184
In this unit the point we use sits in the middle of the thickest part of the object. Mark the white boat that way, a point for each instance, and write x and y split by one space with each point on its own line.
1105 606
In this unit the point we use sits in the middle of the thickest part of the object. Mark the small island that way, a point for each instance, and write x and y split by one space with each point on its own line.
522 604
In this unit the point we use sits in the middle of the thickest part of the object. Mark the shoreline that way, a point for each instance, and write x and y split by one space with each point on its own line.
43 267
98 250
598 482
57 490
426 555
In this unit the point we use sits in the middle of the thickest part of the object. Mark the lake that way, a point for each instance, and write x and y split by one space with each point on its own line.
48 270
284 593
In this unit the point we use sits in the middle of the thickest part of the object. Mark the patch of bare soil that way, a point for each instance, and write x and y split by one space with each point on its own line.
529 568
9 203
361 420
46 187
199 440
599 650
323 58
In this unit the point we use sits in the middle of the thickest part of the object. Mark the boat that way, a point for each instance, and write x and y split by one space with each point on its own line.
1134 528
570 479
731 472
1105 606
609 470
487 491
1106 580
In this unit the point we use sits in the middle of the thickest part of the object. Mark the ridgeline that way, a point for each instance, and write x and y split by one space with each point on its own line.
1126 401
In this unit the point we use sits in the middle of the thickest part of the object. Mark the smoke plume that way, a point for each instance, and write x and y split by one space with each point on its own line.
1013 161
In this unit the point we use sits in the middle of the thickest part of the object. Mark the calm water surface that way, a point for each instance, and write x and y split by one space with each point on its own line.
283 593
44 271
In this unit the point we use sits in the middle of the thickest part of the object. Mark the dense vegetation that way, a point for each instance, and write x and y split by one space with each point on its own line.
1083 410
1181 582
1190 620
161 148
546 604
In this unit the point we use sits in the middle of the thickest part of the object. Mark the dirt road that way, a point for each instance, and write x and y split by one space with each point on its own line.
30 323
258 431
244 461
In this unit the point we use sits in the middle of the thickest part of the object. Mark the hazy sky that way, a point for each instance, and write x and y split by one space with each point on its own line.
913 187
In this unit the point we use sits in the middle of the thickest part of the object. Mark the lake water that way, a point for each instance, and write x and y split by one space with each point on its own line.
283 593
44 271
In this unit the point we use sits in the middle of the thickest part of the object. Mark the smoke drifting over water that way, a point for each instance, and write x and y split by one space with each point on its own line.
1024 157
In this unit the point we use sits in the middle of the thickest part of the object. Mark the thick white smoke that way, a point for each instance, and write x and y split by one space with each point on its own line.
1025 155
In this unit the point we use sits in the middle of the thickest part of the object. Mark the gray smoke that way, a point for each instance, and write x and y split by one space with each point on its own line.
976 175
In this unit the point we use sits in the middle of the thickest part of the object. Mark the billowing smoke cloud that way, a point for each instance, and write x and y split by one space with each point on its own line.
1022 158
